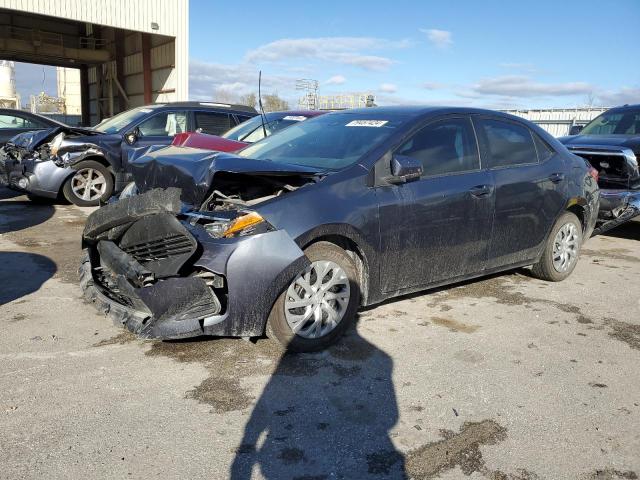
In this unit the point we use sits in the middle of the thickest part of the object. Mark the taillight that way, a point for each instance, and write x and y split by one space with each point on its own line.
594 173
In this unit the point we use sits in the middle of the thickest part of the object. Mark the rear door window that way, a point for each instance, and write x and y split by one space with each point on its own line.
505 144
213 123
445 146
165 124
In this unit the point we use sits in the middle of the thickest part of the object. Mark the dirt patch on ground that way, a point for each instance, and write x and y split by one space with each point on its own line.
628 333
228 360
223 394
352 348
612 254
503 290
454 325
120 339
455 450
611 474
499 287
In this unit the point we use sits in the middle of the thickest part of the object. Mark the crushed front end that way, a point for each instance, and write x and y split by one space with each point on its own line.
163 271
619 181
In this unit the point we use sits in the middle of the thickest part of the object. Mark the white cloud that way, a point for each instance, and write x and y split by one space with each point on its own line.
524 86
612 98
439 38
388 88
353 51
433 85
335 80
216 81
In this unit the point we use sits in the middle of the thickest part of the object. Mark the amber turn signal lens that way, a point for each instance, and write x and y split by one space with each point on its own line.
242 223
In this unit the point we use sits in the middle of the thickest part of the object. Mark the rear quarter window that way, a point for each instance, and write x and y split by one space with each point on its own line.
545 152
213 123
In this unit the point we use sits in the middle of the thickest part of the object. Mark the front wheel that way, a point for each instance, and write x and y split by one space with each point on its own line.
91 184
319 304
561 252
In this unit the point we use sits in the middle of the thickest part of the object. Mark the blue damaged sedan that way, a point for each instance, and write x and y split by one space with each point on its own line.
293 234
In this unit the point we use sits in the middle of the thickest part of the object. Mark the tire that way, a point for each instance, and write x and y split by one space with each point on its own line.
72 188
546 268
326 255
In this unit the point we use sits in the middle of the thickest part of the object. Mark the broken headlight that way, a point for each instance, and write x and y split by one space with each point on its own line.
54 145
247 224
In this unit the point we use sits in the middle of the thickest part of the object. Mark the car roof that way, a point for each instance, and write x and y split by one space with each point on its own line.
635 106
293 113
211 105
45 119
417 111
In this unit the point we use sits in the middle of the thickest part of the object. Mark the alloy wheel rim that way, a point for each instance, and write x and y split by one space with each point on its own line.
317 299
565 247
89 184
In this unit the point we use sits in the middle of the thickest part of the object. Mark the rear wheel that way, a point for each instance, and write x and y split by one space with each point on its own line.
561 252
91 184
319 304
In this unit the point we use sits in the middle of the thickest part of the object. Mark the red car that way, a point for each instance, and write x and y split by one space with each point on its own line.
246 133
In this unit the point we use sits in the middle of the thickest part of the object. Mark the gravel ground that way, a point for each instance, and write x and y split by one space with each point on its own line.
502 378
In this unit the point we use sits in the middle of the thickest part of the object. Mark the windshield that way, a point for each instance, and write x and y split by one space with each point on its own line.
330 142
116 123
625 122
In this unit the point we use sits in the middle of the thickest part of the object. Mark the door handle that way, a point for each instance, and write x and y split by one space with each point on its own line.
480 191
556 177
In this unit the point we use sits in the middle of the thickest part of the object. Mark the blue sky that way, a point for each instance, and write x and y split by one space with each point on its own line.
490 53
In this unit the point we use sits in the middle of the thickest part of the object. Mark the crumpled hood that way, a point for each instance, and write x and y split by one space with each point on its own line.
629 141
193 170
32 140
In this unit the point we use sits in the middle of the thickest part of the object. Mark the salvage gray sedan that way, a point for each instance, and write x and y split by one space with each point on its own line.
299 230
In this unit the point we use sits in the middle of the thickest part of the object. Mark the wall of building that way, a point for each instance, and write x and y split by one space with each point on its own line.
146 42
558 121
68 88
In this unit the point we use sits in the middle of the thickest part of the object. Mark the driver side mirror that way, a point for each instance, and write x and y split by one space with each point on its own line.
132 136
575 129
405 169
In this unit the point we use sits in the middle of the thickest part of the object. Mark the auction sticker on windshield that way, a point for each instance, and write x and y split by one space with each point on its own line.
295 118
367 123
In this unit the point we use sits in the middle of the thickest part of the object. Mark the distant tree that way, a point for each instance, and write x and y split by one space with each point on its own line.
273 103
249 100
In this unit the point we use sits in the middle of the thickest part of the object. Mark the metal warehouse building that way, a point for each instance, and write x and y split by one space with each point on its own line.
558 121
129 52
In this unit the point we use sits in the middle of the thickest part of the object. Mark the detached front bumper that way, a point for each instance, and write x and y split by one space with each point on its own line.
616 207
164 278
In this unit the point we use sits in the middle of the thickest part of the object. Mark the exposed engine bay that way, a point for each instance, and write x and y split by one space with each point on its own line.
238 190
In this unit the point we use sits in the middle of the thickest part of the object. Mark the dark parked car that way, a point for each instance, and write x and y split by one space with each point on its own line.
246 133
611 143
88 165
299 230
13 122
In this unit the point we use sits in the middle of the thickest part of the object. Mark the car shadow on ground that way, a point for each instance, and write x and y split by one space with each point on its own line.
629 230
324 415
13 207
22 274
